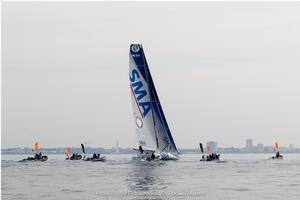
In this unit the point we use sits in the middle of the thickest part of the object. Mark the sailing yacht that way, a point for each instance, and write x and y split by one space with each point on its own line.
154 137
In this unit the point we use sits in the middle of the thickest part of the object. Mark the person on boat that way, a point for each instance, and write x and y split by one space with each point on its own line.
152 156
203 157
216 156
208 158
94 155
38 156
141 149
98 156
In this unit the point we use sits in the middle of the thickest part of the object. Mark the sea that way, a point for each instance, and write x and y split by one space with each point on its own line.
237 176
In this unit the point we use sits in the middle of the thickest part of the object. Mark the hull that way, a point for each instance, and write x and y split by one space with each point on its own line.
101 159
278 158
157 156
168 156
216 160
79 157
42 159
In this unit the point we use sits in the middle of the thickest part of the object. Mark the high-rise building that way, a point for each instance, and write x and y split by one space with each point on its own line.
291 147
213 145
117 147
249 144
260 147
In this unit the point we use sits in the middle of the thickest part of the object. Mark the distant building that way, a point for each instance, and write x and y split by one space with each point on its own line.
291 147
117 147
260 148
283 149
249 145
213 145
269 149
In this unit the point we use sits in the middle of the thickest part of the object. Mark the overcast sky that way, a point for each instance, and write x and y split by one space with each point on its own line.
223 71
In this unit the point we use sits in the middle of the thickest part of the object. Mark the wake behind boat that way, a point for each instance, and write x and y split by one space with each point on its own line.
154 137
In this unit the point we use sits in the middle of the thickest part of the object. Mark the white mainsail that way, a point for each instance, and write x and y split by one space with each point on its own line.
152 130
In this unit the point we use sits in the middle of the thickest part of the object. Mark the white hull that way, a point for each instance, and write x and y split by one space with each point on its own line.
168 156
157 156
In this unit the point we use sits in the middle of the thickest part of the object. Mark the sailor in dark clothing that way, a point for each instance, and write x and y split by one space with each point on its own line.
208 158
152 156
215 156
203 157
38 156
141 149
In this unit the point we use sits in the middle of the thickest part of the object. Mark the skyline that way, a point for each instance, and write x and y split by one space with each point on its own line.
254 144
224 71
249 148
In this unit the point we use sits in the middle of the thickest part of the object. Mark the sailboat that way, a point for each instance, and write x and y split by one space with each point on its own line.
212 156
74 156
38 155
278 155
94 158
154 137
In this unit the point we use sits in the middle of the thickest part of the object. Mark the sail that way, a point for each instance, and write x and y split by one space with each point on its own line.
276 147
68 151
152 130
36 147
82 147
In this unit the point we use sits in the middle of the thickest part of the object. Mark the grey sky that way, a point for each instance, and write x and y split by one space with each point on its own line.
223 71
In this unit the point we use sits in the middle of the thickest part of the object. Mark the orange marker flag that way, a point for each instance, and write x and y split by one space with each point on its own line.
36 147
208 148
68 151
276 145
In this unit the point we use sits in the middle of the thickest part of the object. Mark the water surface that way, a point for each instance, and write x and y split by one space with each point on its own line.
120 177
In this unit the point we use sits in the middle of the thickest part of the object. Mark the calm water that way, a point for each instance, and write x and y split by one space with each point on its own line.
240 177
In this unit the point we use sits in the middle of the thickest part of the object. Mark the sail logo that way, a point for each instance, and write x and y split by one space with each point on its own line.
139 92
139 122
135 48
